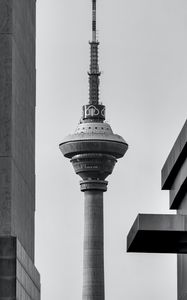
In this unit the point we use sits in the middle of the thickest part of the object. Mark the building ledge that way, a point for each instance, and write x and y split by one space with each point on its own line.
152 233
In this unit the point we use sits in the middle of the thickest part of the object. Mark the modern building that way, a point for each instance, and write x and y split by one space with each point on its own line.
19 278
93 150
156 233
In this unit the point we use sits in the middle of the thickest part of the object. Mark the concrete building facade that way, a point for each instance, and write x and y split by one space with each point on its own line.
19 278
154 233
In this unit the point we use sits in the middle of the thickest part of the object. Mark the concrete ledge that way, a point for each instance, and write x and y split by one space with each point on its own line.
175 159
179 187
158 234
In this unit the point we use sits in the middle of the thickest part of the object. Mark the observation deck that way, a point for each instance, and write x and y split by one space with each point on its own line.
94 137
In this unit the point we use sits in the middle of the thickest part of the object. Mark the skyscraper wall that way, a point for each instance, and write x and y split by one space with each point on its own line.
17 120
19 278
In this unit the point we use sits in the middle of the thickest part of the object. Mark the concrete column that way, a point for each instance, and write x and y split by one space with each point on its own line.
93 266
182 259
182 276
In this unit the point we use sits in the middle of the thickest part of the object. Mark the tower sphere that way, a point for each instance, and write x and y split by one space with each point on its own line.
93 137
93 150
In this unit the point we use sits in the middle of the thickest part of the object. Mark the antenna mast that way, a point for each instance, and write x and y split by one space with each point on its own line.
93 20
94 66
93 111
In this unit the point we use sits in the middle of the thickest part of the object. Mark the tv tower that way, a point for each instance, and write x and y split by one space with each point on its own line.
93 150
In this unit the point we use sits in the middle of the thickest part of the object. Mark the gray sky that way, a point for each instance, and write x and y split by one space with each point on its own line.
143 46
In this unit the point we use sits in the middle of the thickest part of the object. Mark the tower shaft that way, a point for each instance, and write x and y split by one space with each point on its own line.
93 265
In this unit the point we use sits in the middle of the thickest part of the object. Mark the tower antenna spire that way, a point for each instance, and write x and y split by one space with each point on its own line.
94 72
93 20
94 111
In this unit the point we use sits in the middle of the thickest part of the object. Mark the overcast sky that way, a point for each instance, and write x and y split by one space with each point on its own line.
143 56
